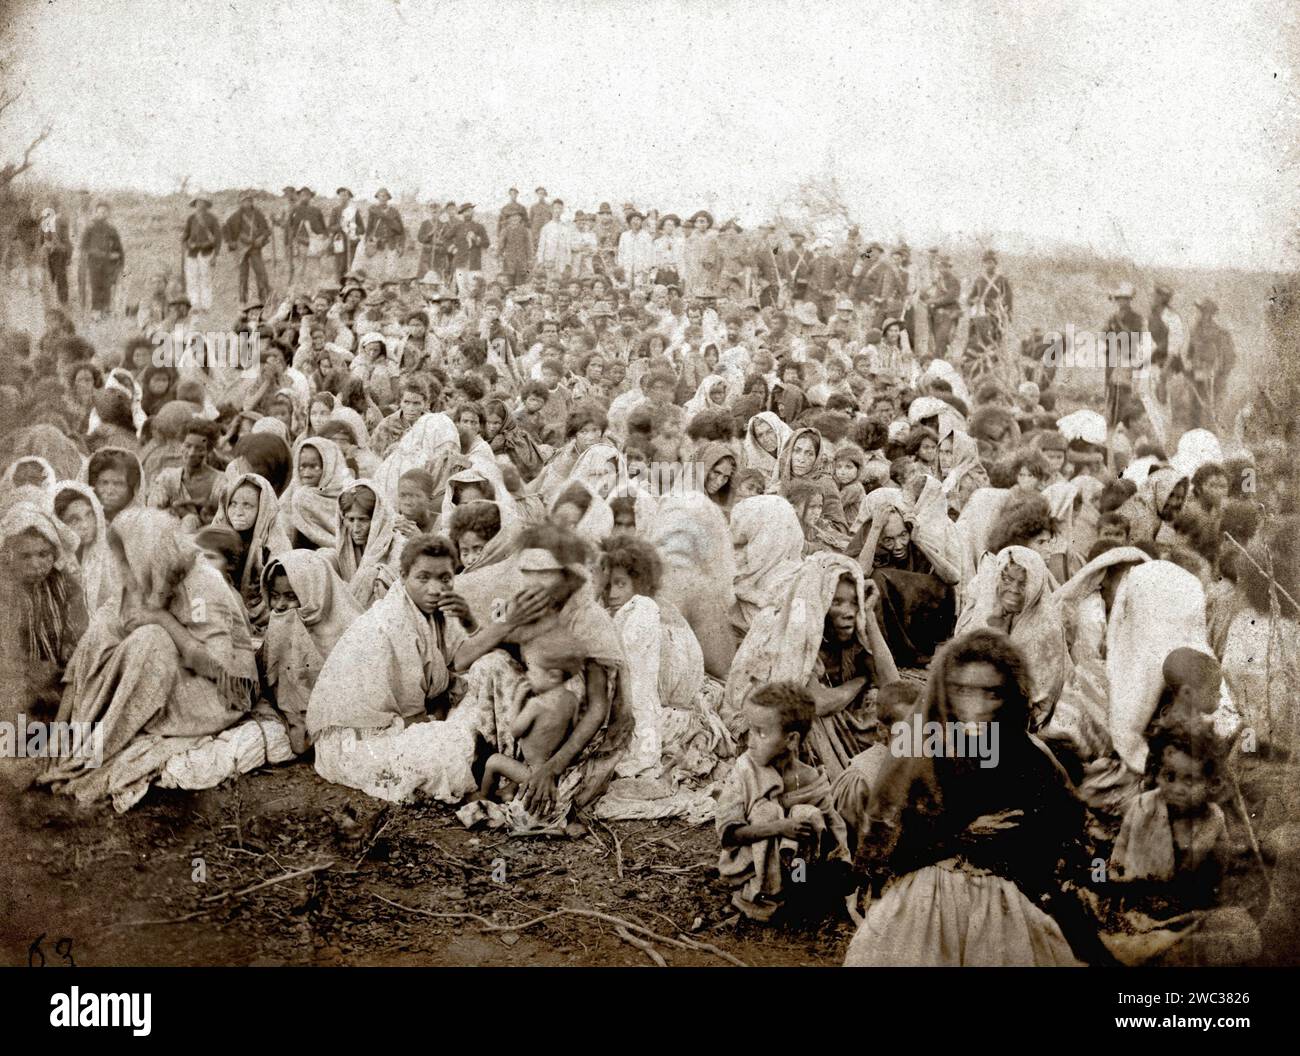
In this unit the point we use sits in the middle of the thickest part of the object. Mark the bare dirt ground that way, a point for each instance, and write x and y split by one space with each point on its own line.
169 884
93 876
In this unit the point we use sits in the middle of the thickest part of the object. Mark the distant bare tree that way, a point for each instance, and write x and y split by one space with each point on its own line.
11 169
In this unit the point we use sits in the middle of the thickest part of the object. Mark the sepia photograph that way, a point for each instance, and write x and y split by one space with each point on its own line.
575 483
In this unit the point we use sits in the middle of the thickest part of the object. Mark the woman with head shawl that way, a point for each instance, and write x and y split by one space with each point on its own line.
967 853
24 479
634 509
802 459
77 507
914 555
765 438
47 442
309 509
580 509
475 483
713 394
1157 502
167 661
310 609
367 549
675 738
557 608
504 435
768 541
431 444
691 536
1157 607
44 614
1015 600
717 469
360 462
1078 728
250 507
958 466
116 476
822 633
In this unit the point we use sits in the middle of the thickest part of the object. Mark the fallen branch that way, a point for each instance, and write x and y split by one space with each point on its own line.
371 842
683 942
296 874
641 945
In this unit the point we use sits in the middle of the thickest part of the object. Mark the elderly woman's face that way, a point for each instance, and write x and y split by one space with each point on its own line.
1011 588
242 507
765 437
719 475
894 538
803 457
31 558
843 613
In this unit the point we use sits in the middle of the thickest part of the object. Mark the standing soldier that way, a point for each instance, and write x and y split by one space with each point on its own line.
385 234
1209 359
85 214
1123 331
989 301
57 247
284 221
468 242
309 239
515 250
101 246
200 243
247 232
876 285
943 305
514 207
347 225
906 302
539 216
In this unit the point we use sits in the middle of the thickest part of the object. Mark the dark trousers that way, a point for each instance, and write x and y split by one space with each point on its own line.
58 267
102 274
253 258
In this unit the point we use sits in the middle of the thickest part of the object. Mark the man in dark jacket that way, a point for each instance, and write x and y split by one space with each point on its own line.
247 232
469 240
101 246
200 243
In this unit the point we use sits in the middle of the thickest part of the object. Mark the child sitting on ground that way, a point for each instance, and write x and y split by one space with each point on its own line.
775 811
544 710
1171 852
852 790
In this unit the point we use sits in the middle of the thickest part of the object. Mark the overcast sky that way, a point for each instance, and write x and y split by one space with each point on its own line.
1155 130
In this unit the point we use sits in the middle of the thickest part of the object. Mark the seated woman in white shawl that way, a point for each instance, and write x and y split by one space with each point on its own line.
310 609
379 711
78 507
367 547
823 633
769 542
1016 600
678 736
917 559
164 664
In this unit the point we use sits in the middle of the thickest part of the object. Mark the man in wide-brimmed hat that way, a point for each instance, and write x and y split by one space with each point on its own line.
1122 345
702 257
1209 359
385 234
200 241
635 257
247 232
469 240
942 300
310 237
347 225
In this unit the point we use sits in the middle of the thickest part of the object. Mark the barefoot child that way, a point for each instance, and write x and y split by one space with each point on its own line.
545 717
775 809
